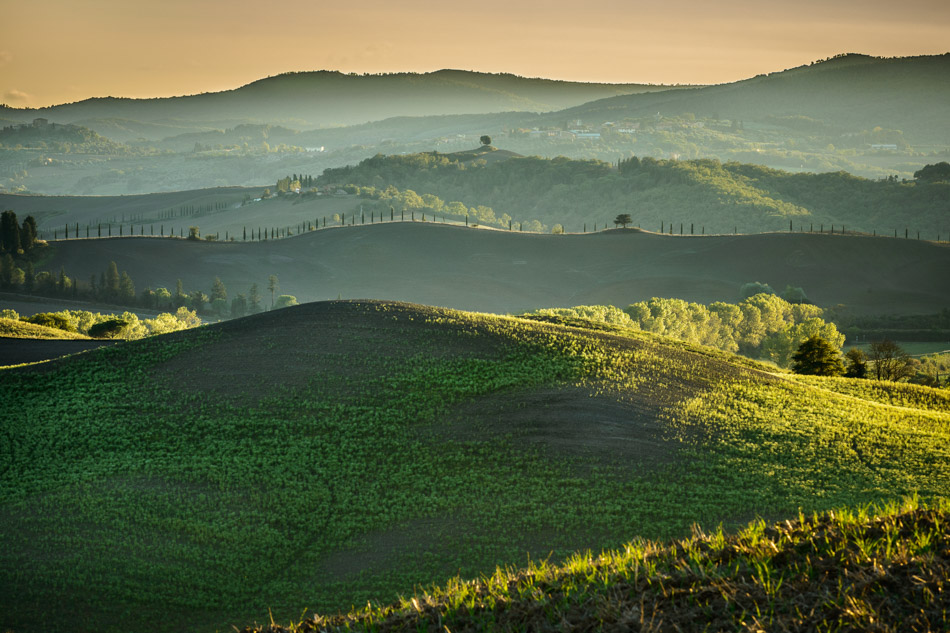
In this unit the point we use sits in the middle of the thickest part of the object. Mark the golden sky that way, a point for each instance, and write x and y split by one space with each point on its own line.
57 51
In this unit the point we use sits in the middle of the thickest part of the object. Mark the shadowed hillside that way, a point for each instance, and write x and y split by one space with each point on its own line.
50 211
336 453
505 271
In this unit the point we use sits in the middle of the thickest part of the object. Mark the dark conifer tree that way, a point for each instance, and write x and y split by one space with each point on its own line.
9 233
111 286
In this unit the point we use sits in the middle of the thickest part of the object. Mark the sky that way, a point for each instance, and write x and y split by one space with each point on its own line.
59 51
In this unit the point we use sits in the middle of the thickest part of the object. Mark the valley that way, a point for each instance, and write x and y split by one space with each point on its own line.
459 351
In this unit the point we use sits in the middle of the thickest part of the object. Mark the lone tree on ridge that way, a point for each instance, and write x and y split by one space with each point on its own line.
623 219
486 140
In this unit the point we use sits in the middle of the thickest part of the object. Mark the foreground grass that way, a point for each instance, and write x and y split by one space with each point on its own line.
155 486
868 569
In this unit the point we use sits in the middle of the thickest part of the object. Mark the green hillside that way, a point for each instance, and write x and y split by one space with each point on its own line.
53 137
704 194
870 569
332 454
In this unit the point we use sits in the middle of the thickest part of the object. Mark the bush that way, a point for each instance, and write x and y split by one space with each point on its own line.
285 301
108 329
754 288
51 320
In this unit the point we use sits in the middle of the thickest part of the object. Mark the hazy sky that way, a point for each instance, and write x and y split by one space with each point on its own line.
57 51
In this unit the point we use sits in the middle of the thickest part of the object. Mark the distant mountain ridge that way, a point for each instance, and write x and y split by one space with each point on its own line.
856 92
329 98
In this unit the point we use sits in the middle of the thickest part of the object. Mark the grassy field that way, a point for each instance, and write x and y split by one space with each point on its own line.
914 348
870 569
332 454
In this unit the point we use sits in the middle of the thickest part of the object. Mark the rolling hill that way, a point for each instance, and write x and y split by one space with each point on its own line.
327 98
504 271
712 196
50 211
336 453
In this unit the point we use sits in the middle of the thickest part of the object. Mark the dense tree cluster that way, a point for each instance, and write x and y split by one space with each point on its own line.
294 183
59 138
97 325
934 173
762 326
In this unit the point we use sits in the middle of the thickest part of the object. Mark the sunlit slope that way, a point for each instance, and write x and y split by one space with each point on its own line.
501 271
873 569
13 328
333 453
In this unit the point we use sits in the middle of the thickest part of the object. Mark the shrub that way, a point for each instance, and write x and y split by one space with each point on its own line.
754 288
108 329
285 301
51 320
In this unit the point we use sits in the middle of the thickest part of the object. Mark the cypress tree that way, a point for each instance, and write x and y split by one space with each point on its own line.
112 281
9 232
218 291
28 234
29 277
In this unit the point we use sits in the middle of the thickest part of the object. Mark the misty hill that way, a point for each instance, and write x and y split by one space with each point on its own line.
849 93
326 98
57 211
57 138
502 271
711 196
336 453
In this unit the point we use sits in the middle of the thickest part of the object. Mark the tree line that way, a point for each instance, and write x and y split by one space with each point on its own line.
117 287
97 325
763 325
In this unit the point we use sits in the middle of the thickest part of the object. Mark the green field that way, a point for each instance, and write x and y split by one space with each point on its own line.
914 348
765 577
336 453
